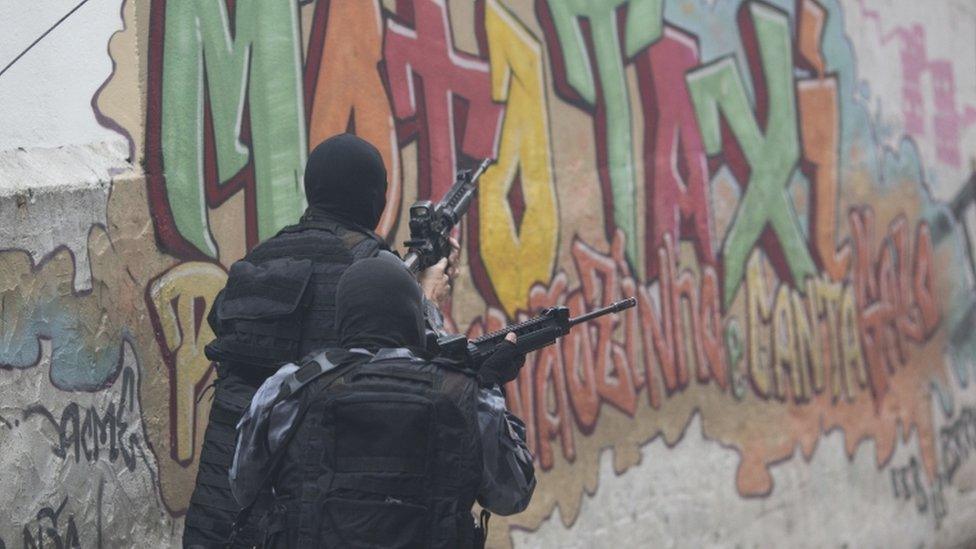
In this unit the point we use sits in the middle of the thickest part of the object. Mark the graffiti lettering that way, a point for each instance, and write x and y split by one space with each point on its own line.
211 142
947 121
44 313
569 382
797 343
440 96
344 91
63 536
907 483
516 239
178 300
669 333
761 149
958 442
820 137
894 294
677 180
579 27
86 431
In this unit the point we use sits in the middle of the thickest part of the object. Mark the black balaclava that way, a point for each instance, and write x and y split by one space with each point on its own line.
378 304
345 178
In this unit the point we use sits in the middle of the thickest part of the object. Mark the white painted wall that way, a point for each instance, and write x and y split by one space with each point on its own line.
54 154
45 98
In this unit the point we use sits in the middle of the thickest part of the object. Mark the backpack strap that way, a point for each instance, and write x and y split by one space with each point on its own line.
312 369
316 367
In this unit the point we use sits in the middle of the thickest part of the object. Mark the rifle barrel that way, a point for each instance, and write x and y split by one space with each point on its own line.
615 307
480 169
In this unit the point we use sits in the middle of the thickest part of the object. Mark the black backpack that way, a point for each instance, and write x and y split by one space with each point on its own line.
384 454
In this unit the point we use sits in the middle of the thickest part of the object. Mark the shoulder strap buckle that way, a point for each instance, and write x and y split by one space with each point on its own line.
311 370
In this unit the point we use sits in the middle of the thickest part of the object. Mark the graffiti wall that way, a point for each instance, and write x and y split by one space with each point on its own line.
784 185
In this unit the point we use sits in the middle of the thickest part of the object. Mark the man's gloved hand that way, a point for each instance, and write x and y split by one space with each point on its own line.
503 365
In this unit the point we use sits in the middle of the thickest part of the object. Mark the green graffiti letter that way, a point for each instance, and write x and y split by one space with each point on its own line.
262 62
644 21
717 90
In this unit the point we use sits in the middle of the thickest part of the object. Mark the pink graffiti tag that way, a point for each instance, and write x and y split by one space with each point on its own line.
948 121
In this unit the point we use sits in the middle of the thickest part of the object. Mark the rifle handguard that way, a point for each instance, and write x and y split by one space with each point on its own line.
533 334
431 225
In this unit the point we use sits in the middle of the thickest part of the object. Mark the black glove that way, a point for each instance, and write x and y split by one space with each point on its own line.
502 366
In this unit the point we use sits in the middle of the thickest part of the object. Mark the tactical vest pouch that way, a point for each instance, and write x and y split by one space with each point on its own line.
375 494
259 315
383 433
382 454
377 523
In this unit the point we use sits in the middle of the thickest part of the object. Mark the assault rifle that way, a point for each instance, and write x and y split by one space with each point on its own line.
533 334
430 225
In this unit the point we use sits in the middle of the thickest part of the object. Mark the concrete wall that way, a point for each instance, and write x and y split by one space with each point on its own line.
781 184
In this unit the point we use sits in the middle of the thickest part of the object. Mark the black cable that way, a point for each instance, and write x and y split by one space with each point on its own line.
41 37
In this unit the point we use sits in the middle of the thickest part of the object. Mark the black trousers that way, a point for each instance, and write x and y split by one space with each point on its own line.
213 509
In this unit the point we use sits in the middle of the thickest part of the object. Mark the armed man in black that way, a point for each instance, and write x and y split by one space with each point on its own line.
377 444
279 304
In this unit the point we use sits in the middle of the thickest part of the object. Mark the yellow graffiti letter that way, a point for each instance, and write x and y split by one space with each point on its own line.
809 345
785 359
517 254
758 311
852 357
180 299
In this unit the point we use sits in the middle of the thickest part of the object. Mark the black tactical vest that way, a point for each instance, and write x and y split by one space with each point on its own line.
386 455
279 302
